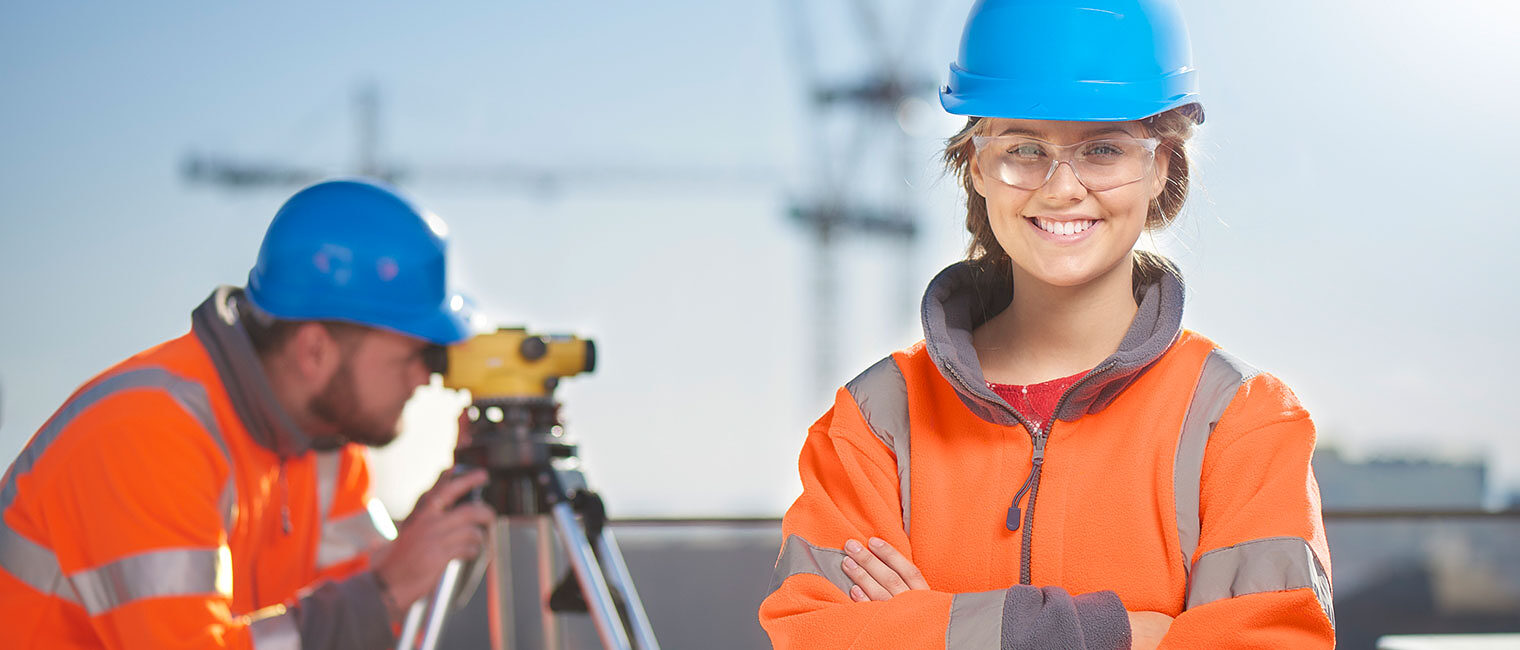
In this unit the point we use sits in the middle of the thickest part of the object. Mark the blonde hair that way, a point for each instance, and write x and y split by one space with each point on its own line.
1174 128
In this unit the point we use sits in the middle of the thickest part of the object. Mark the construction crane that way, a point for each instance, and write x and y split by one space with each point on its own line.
232 172
853 136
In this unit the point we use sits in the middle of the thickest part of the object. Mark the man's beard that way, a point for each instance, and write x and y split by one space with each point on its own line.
338 404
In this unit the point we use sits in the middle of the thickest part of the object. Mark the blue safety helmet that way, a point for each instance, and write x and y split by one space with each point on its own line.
1077 60
358 251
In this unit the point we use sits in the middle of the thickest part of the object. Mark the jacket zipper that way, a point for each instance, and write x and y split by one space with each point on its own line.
1039 436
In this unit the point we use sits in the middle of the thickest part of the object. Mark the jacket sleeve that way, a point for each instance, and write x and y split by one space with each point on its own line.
136 515
1260 577
850 490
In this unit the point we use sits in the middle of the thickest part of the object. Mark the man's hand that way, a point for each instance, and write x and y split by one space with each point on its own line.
436 532
1147 628
879 571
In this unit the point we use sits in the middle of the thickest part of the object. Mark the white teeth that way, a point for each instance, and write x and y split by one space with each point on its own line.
1064 227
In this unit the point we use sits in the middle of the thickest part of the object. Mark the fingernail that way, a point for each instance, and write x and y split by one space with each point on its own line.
877 542
850 564
853 546
858 593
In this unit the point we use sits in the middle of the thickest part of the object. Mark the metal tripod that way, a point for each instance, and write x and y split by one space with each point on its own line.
535 477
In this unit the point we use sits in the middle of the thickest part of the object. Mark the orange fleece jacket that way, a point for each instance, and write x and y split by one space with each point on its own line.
120 502
1104 526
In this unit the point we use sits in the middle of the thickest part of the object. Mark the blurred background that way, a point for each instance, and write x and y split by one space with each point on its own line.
741 201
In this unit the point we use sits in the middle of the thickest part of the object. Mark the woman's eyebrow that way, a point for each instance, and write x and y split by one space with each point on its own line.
1014 130
1106 131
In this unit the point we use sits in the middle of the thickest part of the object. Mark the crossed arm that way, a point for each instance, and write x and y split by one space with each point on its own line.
880 572
831 589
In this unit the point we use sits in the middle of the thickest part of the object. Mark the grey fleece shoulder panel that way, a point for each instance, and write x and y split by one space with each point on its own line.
1221 377
881 394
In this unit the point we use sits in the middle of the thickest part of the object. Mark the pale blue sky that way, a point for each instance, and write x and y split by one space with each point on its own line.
1351 229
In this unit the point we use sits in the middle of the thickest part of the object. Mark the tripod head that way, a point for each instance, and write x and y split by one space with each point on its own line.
515 431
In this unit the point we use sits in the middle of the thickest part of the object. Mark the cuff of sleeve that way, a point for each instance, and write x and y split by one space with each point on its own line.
363 590
346 615
1104 622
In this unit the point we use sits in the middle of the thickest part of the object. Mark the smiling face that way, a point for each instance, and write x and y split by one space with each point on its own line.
1062 233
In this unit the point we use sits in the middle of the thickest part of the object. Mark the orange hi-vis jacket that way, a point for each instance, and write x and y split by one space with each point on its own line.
1173 478
171 503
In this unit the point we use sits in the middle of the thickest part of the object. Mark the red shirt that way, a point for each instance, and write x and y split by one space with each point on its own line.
1036 401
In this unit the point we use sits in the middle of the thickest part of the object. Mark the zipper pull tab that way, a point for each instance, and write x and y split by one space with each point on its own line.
1039 450
1014 513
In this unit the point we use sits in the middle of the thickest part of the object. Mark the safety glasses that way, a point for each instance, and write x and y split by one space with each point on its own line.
1102 164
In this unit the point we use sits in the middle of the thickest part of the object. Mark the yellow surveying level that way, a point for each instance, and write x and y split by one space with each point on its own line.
510 362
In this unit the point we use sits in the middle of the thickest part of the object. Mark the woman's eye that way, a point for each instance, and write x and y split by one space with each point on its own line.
1103 150
1026 151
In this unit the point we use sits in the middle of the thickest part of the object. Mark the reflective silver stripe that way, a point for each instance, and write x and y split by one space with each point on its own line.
976 621
1222 376
34 563
345 538
328 463
190 395
1269 564
882 396
276 632
177 572
798 556
381 518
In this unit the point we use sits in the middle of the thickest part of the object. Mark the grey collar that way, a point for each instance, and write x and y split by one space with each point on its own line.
216 322
965 295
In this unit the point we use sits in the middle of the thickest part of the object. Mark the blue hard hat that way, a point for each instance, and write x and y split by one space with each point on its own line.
1077 60
358 251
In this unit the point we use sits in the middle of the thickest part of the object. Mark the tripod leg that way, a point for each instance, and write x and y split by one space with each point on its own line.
414 617
617 573
546 573
439 605
499 612
589 574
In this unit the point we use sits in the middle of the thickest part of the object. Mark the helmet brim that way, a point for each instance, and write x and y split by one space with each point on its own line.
449 324
1075 101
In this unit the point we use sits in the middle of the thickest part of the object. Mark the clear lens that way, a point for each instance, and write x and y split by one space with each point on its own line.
1103 164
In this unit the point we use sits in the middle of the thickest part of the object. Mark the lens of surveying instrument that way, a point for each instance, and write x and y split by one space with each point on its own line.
533 348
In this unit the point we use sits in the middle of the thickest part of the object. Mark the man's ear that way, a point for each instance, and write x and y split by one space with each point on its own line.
313 353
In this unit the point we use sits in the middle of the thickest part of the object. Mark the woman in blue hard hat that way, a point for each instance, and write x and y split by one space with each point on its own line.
1059 463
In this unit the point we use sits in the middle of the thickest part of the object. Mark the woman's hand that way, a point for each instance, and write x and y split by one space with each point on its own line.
879 572
1147 628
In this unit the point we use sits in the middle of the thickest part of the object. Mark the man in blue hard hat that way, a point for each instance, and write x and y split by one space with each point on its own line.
213 492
